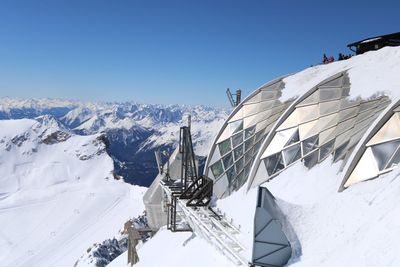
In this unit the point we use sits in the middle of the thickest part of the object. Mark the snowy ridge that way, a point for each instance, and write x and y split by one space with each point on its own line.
133 130
58 190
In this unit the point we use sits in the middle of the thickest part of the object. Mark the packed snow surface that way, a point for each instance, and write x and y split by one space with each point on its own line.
371 73
57 195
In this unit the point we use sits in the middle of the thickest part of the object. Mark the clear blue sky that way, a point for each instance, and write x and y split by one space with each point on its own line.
172 51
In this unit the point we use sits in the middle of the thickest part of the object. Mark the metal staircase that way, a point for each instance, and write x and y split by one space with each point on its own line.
187 200
210 225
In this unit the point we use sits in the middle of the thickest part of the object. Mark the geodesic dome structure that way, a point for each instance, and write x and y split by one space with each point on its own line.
240 138
265 135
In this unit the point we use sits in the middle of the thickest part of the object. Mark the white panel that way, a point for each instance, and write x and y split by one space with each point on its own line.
215 156
254 99
261 125
345 103
365 169
329 107
327 122
249 110
390 130
345 125
278 142
308 129
327 135
308 113
261 175
291 121
238 115
225 135
348 113
221 186
312 99
252 120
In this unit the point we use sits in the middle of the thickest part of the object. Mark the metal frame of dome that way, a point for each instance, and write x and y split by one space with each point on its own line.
224 185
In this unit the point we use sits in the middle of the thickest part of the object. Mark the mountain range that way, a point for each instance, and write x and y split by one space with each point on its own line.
131 131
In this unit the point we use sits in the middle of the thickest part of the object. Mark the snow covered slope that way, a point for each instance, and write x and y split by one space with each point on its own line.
58 195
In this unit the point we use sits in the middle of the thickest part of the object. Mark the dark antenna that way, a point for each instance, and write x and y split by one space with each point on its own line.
238 97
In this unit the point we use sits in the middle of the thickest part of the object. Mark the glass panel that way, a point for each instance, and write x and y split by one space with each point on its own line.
248 157
249 144
329 94
395 160
249 132
239 165
340 151
292 154
274 163
310 144
247 169
241 179
294 138
236 126
238 152
383 152
217 169
259 135
257 146
311 159
326 149
237 139
225 147
230 173
228 160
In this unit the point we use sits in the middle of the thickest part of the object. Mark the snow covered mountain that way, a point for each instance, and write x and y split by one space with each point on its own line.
58 195
133 130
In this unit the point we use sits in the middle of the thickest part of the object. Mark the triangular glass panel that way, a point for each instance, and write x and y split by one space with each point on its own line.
294 138
383 152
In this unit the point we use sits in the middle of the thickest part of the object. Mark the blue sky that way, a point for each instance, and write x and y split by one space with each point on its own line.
185 52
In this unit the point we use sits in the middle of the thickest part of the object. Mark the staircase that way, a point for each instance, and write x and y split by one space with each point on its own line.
211 226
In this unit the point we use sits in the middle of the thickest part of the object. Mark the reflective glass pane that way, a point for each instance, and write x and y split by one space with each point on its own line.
230 173
259 135
330 94
239 165
326 149
236 126
292 154
225 147
383 152
395 160
217 169
340 151
241 178
310 144
247 169
248 156
249 132
238 152
311 159
257 146
249 144
227 160
294 138
274 163
237 139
